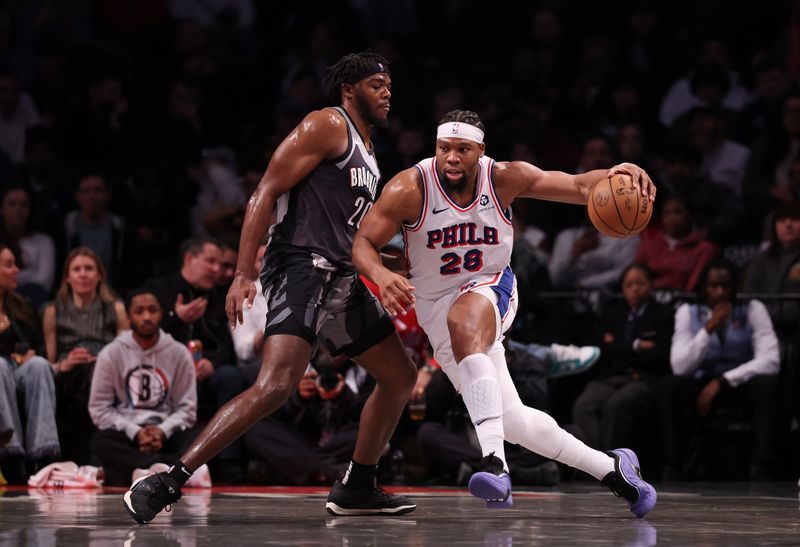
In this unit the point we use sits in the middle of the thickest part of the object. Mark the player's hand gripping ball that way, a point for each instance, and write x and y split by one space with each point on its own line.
617 207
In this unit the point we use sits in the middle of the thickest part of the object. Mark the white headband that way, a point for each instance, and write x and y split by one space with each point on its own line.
456 130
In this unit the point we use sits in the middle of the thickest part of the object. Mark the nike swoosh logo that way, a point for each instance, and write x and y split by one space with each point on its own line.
436 212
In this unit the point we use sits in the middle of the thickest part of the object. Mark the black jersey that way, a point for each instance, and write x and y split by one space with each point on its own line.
320 215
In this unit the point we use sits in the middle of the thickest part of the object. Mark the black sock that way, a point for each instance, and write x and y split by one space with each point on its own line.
179 472
359 476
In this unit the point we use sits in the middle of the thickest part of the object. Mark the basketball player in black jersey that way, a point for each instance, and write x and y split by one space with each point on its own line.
323 179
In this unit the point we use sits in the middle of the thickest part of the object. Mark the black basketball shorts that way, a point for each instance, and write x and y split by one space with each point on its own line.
322 306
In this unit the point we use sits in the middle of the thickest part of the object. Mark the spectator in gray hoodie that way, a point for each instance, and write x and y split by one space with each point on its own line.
143 398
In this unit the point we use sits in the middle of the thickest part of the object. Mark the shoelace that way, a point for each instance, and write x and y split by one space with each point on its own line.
383 493
163 483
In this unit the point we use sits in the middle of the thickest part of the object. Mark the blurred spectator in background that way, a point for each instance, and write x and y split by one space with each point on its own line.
625 105
776 270
763 114
181 137
598 57
711 82
154 202
632 147
17 114
227 263
144 398
724 161
309 440
584 258
24 377
678 252
97 127
724 354
634 354
195 310
37 252
529 260
42 171
767 183
597 152
237 14
220 204
551 47
410 145
715 208
92 225
85 316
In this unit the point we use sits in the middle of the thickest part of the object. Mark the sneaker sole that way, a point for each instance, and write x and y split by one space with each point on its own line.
338 511
496 491
647 493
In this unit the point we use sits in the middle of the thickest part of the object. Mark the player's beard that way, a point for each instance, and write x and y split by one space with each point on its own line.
372 118
455 187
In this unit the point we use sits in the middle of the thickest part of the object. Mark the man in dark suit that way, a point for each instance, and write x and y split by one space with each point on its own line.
636 334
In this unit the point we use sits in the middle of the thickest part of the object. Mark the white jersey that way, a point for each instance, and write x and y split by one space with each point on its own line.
451 245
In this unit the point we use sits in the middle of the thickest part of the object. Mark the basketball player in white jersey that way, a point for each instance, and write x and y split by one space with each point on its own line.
454 212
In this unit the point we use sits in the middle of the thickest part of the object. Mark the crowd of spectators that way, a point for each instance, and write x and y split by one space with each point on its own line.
132 134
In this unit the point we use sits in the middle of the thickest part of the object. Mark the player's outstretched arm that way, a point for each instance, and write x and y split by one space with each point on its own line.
521 179
400 202
322 134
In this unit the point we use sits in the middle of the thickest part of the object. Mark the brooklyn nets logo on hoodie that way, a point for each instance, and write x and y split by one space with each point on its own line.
146 386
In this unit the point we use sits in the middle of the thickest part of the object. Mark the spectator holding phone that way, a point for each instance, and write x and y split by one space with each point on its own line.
310 439
85 316
22 371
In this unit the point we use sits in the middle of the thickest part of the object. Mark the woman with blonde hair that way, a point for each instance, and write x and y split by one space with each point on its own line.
85 316
23 371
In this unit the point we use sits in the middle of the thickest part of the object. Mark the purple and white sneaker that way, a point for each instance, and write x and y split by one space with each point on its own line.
492 483
626 482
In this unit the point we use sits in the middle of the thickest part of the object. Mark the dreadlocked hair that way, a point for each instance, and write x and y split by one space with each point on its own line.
463 116
346 69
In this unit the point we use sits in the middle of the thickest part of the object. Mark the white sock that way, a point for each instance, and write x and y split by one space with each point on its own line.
481 394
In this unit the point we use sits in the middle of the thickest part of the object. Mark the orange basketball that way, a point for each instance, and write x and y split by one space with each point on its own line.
617 207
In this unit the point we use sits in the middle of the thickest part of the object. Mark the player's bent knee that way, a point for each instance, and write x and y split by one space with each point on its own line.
269 395
462 326
403 380
522 423
399 375
514 425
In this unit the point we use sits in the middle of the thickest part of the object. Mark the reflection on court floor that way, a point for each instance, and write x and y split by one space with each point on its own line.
573 514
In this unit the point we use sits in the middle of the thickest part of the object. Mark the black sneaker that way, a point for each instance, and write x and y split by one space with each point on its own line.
367 501
149 495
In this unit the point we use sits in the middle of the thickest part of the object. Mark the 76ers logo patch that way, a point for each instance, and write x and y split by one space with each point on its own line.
146 386
484 199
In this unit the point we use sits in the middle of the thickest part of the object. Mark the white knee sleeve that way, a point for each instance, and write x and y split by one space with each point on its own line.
479 387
